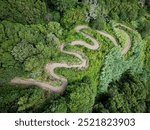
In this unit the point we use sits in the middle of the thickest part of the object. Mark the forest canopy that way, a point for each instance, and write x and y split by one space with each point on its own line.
89 55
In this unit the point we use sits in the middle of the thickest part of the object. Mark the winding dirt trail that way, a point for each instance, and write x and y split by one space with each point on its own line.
128 42
114 41
127 45
50 67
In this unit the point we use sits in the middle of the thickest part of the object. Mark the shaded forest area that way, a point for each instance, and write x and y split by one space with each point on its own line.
31 32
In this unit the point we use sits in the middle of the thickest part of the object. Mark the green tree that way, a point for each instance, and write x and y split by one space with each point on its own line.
62 5
22 51
23 11
99 23
125 10
80 98
18 99
8 98
57 105
113 68
31 101
126 95
73 17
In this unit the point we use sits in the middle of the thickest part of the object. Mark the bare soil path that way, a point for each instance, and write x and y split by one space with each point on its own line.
50 67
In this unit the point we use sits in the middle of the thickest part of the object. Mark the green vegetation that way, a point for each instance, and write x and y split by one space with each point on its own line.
76 98
62 5
126 95
31 33
73 17
24 11
22 51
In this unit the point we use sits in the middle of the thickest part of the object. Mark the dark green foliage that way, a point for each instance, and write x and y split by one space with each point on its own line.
120 9
144 27
8 98
31 101
76 98
62 5
148 102
147 62
147 3
58 105
99 23
56 16
17 99
126 95
23 11
147 70
7 60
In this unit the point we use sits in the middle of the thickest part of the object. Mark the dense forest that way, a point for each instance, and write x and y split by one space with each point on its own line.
75 56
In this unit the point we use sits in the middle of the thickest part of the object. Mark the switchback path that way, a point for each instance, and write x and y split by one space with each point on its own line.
50 67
